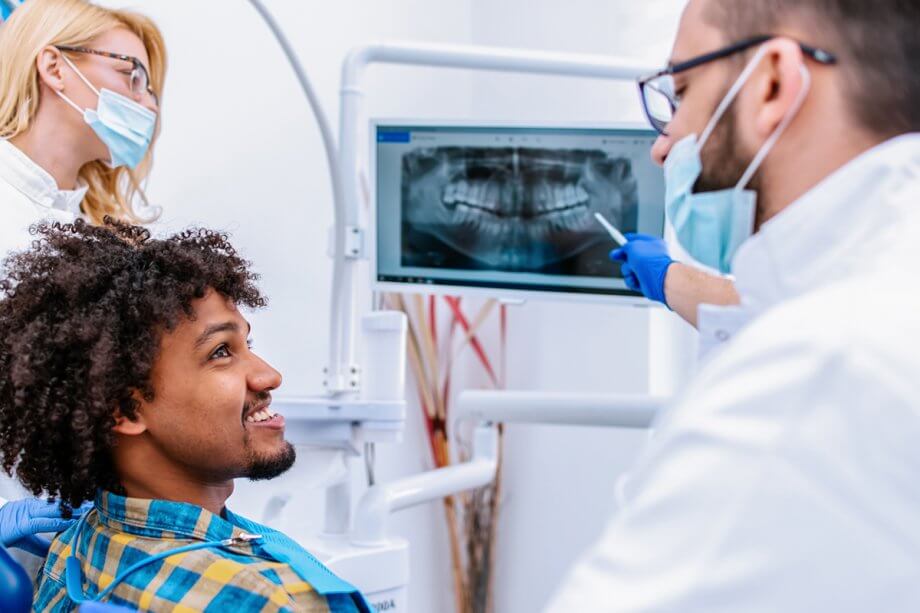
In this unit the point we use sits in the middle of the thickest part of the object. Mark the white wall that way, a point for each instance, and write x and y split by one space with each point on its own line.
240 151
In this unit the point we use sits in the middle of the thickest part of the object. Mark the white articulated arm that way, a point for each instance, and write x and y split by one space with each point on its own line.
486 408
380 501
609 410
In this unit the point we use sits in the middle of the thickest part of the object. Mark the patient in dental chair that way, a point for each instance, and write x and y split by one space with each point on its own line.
127 378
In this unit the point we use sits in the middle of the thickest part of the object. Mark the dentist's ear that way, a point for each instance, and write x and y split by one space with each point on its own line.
779 85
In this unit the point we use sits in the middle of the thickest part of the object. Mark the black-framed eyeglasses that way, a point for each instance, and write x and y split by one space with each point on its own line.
139 78
659 100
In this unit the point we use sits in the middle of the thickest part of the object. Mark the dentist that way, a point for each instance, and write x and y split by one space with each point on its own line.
785 478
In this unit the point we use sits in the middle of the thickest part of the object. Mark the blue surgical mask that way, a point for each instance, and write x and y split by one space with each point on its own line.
711 226
123 125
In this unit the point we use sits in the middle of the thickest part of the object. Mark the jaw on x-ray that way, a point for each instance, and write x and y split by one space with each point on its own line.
514 209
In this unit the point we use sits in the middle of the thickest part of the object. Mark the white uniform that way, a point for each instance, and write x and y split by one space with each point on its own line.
786 478
27 194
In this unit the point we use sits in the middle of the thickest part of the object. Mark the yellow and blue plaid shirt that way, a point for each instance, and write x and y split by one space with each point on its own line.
123 531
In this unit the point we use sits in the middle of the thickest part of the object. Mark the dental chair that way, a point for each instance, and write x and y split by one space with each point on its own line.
15 587
16 590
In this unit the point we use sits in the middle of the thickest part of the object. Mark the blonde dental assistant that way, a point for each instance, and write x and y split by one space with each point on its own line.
78 115
784 478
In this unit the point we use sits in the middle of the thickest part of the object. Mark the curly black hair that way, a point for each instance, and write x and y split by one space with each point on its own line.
81 317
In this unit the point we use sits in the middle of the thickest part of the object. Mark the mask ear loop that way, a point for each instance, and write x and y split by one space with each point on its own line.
70 102
731 95
768 145
82 78
80 74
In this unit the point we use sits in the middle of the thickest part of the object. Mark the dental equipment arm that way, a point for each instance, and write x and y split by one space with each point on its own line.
342 308
486 408
380 501
633 411
494 59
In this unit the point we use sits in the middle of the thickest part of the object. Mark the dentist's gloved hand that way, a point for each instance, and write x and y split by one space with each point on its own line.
22 520
645 263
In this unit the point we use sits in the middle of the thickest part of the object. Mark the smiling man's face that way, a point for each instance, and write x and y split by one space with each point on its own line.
211 415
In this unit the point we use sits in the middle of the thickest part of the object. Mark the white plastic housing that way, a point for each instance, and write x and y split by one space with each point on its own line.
384 372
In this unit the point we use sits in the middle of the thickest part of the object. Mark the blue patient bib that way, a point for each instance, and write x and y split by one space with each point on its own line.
341 595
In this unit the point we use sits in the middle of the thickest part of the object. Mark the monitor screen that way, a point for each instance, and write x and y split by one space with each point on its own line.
510 208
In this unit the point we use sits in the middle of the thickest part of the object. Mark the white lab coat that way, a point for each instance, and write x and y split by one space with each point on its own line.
27 194
786 477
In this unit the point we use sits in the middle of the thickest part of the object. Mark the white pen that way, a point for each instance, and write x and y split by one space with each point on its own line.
616 234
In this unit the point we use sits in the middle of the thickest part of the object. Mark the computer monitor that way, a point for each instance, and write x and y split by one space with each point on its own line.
508 210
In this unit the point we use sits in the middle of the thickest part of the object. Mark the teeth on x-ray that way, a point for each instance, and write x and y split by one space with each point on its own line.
486 196
516 209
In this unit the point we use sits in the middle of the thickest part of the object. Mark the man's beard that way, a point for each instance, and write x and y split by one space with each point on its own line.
262 467
724 162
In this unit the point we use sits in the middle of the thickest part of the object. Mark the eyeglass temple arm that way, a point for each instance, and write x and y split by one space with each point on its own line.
819 55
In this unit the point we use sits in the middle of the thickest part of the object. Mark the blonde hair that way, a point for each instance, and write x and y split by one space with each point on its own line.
41 23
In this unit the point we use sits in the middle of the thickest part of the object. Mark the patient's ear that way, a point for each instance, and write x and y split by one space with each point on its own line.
130 427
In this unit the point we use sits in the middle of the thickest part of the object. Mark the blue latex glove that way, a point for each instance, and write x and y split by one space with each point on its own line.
22 520
645 263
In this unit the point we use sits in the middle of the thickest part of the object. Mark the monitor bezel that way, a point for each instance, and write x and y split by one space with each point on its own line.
505 294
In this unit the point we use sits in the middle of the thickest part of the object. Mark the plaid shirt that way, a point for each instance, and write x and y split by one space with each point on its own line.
122 531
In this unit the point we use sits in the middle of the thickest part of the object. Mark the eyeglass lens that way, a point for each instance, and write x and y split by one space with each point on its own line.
660 100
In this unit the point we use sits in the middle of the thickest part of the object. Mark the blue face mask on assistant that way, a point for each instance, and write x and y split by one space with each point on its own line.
712 225
123 125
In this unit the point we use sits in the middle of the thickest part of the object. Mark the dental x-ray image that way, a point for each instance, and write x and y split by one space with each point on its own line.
514 209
